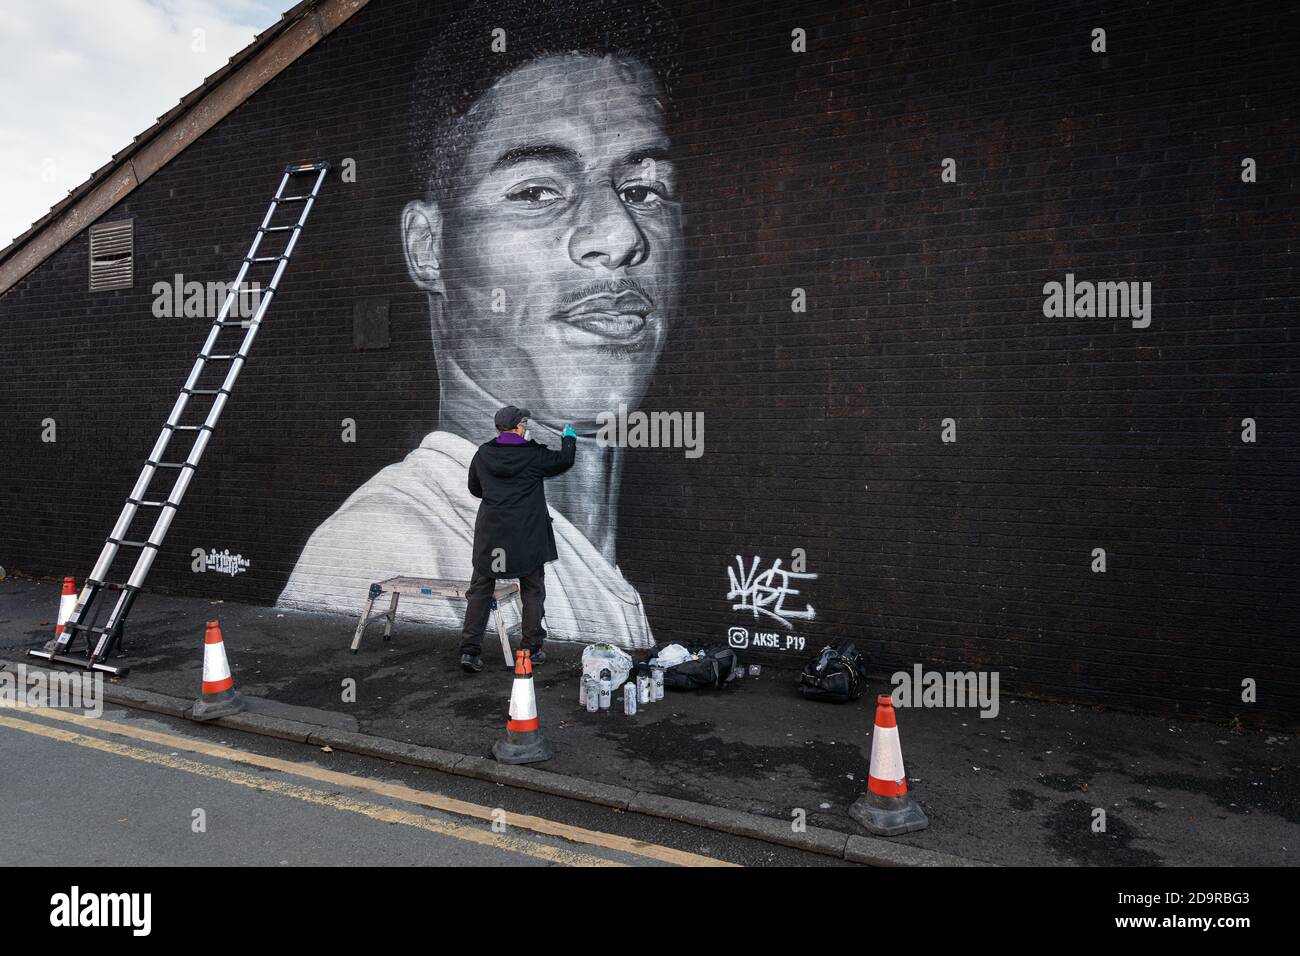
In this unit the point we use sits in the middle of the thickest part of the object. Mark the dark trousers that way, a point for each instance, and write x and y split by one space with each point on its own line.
532 591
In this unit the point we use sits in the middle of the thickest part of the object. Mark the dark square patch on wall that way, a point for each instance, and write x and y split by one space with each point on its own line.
370 324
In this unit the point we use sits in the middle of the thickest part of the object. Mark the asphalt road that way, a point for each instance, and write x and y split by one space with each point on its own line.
139 789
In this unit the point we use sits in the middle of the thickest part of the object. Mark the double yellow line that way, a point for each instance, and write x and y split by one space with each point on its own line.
340 801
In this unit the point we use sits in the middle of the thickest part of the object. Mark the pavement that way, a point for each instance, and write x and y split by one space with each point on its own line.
1021 788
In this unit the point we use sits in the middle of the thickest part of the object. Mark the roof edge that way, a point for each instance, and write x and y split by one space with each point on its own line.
270 53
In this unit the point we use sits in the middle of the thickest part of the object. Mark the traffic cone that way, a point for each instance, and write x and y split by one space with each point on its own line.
886 809
524 742
219 698
67 604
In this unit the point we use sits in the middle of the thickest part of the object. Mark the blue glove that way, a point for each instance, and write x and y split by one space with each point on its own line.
568 432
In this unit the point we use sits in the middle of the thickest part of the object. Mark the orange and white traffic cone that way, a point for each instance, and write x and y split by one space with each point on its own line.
886 809
67 604
524 742
219 697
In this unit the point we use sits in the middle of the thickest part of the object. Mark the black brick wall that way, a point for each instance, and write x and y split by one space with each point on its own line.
819 171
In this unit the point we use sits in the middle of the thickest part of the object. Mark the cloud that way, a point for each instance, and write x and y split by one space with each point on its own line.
79 81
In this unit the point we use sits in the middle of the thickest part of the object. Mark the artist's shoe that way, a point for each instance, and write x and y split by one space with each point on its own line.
471 663
537 656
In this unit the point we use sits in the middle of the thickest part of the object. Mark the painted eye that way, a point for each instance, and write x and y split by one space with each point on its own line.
641 195
533 195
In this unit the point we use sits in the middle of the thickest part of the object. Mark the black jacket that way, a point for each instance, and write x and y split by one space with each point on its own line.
513 515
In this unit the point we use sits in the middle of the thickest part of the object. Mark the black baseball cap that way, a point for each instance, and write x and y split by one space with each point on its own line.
510 416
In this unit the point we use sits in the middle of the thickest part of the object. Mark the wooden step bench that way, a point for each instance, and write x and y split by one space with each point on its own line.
434 587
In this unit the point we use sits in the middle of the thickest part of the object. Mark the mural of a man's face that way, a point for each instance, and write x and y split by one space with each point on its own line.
555 263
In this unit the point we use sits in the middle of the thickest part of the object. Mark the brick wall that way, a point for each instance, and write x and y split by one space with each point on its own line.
818 171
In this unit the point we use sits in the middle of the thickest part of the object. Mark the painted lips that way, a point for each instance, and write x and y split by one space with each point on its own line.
611 318
614 325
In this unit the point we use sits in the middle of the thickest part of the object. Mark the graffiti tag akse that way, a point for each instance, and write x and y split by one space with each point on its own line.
765 592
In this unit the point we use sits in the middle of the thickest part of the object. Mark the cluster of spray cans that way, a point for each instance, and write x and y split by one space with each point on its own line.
597 693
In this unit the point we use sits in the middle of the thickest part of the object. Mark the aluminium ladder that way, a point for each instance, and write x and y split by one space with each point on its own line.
101 640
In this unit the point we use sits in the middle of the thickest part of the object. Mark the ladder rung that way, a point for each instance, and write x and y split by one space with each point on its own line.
110 585
84 627
189 428
292 198
203 391
142 503
266 258
279 229
134 544
220 358
244 323
171 464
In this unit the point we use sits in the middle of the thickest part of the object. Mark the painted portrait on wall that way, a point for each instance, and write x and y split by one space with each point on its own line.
545 228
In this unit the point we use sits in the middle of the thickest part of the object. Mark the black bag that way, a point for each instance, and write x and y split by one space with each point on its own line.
716 666
837 674
693 674
727 660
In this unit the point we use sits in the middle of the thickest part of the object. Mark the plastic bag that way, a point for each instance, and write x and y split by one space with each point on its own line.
600 657
671 655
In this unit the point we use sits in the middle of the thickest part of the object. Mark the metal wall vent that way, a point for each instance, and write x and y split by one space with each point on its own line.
111 249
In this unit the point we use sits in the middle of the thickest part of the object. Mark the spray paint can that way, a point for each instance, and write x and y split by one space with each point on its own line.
606 689
738 671
644 689
755 670
629 698
657 679
593 693
582 691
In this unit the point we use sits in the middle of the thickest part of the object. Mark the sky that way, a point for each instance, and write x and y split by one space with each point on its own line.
80 79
